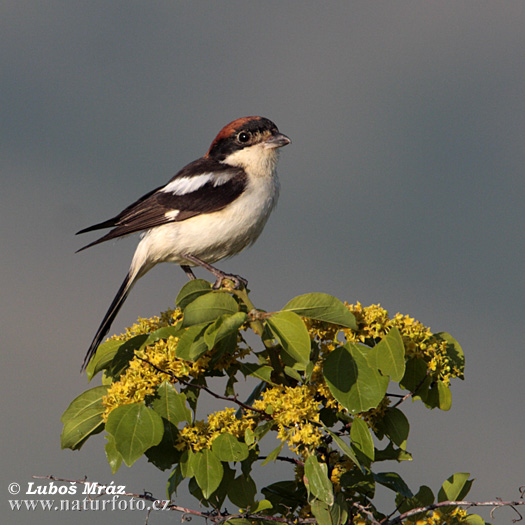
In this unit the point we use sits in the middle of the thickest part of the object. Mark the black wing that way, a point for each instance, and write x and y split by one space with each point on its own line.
203 186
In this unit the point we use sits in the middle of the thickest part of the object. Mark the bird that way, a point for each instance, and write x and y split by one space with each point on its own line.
211 209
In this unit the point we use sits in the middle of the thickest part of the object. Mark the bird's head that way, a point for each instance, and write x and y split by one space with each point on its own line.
251 143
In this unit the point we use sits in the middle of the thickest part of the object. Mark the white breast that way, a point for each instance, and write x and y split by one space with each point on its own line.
213 236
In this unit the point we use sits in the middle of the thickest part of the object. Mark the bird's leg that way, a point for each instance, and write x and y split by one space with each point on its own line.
237 279
188 271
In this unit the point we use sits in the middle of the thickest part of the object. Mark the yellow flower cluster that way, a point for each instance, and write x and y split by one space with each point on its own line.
296 413
148 325
141 378
324 334
374 415
373 323
339 466
458 516
202 434
295 410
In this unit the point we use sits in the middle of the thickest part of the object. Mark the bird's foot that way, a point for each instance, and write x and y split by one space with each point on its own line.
237 280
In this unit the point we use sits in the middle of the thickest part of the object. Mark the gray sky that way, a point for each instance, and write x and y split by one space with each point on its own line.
403 186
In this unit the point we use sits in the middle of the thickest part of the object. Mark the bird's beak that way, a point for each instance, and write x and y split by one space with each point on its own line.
277 141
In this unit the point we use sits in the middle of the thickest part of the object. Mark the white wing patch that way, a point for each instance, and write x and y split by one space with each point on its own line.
171 215
184 185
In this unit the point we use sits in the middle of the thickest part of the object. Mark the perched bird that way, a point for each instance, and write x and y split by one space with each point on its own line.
211 209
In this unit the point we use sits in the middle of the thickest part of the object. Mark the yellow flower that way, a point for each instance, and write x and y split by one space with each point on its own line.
141 378
296 413
202 434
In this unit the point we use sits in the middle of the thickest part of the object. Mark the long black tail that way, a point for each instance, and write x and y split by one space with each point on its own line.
112 312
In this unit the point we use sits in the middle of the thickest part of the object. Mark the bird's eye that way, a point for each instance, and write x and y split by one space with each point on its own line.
243 137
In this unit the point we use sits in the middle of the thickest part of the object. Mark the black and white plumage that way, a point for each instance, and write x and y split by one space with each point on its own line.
211 209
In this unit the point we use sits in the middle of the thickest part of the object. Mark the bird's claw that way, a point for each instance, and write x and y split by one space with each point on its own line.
237 281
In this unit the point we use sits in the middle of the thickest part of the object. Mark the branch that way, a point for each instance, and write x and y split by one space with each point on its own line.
366 510
213 515
206 389
285 459
494 504
410 394
103 490
218 518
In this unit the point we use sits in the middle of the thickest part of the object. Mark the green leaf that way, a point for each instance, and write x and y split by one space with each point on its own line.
322 307
362 441
259 506
175 479
228 448
352 381
291 332
423 498
135 428
359 481
262 429
263 372
438 396
317 480
190 291
216 500
285 495
390 453
454 350
473 519
164 332
224 326
345 449
249 437
191 344
186 463
396 426
393 481
103 357
165 454
242 521
339 510
389 355
112 454
171 405
207 308
208 471
415 375
444 396
83 418
294 374
321 512
115 355
242 491
455 488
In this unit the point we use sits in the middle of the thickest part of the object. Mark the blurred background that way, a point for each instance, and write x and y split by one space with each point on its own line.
403 186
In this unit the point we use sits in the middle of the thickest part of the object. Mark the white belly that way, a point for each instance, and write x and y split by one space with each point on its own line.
213 236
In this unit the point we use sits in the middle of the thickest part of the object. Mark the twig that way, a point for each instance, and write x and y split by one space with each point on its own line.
410 394
206 389
220 517
285 459
494 504
403 398
369 513
103 490
213 515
